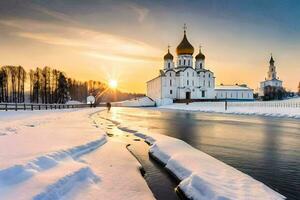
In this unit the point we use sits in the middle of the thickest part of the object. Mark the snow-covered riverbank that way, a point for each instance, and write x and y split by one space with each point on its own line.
250 108
64 155
202 176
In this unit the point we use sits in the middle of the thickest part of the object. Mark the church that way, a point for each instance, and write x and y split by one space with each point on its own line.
271 80
189 79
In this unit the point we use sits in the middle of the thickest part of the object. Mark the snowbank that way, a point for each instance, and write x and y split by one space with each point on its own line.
164 101
138 102
204 177
72 102
62 154
243 108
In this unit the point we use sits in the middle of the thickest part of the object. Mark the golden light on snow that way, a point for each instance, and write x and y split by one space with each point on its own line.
113 83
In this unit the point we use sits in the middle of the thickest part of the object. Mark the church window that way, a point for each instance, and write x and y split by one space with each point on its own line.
183 62
209 75
187 74
200 65
171 92
208 83
170 82
203 94
187 82
169 65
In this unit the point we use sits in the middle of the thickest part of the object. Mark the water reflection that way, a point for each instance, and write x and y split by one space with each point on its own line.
266 148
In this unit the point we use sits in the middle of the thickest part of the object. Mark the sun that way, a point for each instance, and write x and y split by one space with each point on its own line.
113 84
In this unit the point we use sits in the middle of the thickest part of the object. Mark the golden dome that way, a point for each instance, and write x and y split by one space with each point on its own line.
184 47
168 56
200 55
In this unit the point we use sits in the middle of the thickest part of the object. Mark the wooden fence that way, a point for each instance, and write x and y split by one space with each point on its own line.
32 106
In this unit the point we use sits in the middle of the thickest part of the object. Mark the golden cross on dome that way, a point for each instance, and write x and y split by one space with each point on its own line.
184 27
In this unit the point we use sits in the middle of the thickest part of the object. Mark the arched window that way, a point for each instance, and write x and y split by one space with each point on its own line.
184 62
169 65
187 82
187 73
200 65
170 82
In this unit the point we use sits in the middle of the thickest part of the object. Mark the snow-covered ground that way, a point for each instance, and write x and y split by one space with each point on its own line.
288 108
64 155
137 102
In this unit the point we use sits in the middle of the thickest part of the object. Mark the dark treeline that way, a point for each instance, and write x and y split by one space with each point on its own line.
12 84
47 85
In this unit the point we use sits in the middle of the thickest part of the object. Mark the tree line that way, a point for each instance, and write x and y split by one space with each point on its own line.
48 85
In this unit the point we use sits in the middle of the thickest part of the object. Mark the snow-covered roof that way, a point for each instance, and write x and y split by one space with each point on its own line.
231 87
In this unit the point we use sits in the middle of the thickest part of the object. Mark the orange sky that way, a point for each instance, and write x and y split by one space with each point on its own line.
95 46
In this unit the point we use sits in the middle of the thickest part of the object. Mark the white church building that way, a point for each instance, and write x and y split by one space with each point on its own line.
190 79
271 80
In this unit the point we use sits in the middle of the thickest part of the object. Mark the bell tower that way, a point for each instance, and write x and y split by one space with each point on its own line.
272 69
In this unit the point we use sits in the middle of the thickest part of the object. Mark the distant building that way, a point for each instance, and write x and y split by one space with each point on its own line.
190 79
272 81
233 92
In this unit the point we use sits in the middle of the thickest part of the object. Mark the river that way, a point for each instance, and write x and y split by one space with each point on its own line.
265 148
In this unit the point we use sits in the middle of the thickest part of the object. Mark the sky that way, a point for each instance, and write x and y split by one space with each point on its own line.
126 40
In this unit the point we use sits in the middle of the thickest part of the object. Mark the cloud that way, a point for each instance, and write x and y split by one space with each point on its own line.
88 42
140 11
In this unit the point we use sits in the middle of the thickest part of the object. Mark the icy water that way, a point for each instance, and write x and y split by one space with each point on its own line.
265 148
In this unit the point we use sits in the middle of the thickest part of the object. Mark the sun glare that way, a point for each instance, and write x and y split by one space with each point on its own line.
113 84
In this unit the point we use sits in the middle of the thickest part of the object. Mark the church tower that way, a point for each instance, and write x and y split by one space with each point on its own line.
185 52
200 60
168 60
272 70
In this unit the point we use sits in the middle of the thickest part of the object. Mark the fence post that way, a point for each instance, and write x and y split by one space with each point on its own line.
31 106
6 107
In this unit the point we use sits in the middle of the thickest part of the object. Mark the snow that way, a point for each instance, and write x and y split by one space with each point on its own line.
137 102
231 87
63 154
287 108
73 102
204 177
